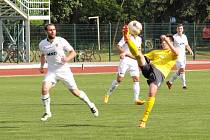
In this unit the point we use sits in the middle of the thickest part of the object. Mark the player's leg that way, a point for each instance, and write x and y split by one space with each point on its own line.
182 77
174 75
69 81
136 91
155 80
114 85
182 73
134 73
122 68
45 97
133 48
83 96
149 104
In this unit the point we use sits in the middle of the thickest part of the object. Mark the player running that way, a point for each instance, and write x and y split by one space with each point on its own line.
128 63
53 51
155 66
181 42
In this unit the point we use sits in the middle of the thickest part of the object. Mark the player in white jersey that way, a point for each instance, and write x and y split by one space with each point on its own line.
181 42
56 51
128 63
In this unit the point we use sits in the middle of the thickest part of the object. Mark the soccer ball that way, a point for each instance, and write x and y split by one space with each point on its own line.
134 27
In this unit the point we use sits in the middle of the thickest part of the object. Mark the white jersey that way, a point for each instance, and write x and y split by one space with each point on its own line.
128 63
136 40
54 52
181 42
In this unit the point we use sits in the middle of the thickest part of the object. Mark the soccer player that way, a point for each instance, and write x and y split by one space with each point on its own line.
155 66
56 51
128 63
181 42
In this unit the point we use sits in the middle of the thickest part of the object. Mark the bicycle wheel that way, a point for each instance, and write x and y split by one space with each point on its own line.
37 55
82 57
95 57
12 57
4 56
32 57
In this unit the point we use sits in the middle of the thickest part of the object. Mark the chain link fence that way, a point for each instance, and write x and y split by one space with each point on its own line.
104 38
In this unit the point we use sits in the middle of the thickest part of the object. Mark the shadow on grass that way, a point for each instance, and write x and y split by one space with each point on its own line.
85 125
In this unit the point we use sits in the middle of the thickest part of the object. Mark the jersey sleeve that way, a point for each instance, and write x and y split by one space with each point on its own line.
150 55
186 40
66 45
40 47
121 42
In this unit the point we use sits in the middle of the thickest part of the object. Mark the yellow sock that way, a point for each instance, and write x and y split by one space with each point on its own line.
149 104
133 48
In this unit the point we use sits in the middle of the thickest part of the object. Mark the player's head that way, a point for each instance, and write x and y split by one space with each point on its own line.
135 27
164 45
50 30
180 29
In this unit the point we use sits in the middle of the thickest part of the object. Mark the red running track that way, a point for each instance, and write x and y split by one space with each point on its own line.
93 69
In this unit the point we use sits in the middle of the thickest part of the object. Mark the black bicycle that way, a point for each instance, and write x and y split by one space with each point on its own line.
88 56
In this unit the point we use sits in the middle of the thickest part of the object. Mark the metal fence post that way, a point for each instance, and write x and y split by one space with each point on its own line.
145 37
110 41
194 40
75 38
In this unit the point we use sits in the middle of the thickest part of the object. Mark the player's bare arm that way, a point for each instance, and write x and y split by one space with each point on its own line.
42 61
189 49
121 52
71 54
171 46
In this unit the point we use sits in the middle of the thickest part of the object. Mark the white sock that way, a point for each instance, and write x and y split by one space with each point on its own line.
113 86
174 76
85 98
182 77
136 90
46 102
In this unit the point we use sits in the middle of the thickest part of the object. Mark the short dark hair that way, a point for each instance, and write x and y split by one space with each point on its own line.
49 24
170 37
179 25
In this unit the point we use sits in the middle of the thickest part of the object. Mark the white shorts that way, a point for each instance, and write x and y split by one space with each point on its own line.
66 76
128 64
181 63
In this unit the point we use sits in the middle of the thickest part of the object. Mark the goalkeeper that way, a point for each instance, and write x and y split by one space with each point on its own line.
155 66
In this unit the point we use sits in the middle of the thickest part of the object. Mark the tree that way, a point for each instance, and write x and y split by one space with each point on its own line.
155 11
62 9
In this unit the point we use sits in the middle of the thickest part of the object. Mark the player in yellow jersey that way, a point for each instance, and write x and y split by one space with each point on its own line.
155 66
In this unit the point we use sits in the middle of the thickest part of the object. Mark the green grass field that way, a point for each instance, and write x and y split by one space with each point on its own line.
177 114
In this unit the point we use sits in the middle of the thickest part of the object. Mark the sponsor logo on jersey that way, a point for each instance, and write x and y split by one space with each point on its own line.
51 53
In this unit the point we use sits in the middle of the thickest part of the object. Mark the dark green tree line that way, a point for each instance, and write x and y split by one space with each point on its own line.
154 11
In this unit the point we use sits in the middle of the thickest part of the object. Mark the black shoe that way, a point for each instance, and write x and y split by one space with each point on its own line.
94 110
169 85
46 116
184 87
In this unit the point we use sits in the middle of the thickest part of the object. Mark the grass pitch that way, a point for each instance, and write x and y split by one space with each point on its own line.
177 114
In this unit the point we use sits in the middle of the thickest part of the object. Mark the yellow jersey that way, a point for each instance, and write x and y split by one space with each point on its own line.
163 60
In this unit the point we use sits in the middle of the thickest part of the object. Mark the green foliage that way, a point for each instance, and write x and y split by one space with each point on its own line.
78 11
37 22
62 9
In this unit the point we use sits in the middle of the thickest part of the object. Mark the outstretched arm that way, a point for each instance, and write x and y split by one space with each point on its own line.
189 49
171 46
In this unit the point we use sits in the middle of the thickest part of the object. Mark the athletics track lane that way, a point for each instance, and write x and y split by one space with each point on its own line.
10 71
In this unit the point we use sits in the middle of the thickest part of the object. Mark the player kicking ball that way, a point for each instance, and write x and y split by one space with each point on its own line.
53 51
155 66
